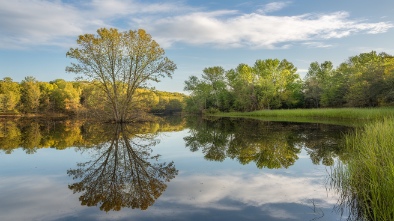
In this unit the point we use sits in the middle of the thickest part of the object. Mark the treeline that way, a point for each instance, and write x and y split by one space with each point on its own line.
77 97
365 80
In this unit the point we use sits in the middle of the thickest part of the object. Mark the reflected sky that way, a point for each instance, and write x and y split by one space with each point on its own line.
35 187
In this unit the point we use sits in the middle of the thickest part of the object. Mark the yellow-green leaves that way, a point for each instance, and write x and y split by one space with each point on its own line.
121 62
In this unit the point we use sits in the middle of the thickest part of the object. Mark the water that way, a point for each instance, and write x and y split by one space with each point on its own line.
177 169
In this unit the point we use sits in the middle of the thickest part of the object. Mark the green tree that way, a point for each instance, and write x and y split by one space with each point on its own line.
199 97
30 95
121 62
64 96
10 95
242 87
368 79
317 84
215 78
279 82
46 89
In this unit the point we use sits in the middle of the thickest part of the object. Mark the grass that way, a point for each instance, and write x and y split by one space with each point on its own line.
323 113
366 179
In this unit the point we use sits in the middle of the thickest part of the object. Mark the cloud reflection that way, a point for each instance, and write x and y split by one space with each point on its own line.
278 197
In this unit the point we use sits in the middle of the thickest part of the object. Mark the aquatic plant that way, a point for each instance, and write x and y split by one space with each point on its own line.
331 113
366 179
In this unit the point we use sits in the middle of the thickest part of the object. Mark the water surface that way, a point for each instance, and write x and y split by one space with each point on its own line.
174 169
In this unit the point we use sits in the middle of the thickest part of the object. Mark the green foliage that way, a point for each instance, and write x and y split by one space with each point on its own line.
64 96
83 98
121 62
30 95
166 102
9 95
366 180
268 84
365 80
319 114
368 75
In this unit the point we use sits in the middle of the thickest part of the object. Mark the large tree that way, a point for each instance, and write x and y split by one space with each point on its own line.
121 62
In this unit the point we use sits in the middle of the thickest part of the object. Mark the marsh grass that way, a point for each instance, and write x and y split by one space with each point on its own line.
323 113
366 179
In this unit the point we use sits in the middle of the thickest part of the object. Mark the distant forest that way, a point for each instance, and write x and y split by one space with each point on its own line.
365 80
31 96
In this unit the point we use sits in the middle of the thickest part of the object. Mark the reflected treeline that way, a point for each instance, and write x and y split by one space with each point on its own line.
32 134
122 172
267 144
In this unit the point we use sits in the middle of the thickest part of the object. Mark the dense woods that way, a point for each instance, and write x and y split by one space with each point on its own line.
75 98
365 80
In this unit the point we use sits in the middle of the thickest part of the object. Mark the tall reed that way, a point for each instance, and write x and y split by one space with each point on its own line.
328 113
366 179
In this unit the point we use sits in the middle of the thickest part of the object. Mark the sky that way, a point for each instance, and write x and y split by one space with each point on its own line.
35 35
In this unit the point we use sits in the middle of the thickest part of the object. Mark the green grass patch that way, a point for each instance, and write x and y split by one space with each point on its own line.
366 179
327 113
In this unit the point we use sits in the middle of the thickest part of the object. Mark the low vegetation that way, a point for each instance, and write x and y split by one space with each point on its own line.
323 113
366 179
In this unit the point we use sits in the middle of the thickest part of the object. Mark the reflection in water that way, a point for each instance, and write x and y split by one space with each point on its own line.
121 173
267 144
33 134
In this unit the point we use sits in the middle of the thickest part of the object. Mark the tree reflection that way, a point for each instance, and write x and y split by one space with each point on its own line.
36 133
267 144
122 172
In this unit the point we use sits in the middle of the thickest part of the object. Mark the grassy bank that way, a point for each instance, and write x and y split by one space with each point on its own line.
326 113
366 180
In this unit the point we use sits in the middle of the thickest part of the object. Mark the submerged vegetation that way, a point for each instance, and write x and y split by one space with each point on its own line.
366 179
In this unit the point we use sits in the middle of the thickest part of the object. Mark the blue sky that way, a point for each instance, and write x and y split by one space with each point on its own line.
36 34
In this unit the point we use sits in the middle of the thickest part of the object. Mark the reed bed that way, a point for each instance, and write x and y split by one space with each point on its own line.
366 179
328 113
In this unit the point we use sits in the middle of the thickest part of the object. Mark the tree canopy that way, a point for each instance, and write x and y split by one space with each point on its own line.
364 80
120 62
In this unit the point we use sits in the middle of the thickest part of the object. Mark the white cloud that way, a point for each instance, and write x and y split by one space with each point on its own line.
273 6
257 30
38 22
315 44
26 23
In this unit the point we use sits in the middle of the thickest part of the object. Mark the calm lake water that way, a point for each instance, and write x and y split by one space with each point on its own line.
174 169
